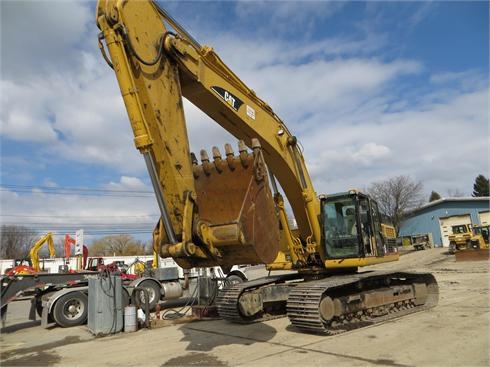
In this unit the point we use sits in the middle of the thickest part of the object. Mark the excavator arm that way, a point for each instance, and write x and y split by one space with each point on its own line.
157 63
67 246
34 251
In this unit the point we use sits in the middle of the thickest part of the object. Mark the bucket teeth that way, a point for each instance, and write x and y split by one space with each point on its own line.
218 163
256 144
194 159
230 156
204 156
244 158
229 150
206 165
216 153
195 165
242 148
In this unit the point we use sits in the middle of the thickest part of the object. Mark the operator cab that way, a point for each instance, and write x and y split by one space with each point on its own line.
351 226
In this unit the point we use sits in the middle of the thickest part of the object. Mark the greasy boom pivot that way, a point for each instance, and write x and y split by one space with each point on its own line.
240 227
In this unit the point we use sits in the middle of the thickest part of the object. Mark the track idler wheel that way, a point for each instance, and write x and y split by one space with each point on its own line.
327 309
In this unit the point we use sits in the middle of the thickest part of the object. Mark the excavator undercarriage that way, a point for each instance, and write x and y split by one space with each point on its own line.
330 305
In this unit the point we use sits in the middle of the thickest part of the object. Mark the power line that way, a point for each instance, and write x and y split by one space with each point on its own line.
48 188
83 224
75 191
93 225
78 216
86 231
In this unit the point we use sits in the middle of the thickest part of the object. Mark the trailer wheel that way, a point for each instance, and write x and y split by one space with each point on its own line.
234 278
71 309
153 294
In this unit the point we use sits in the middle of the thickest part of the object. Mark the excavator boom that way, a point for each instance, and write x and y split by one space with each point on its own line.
155 69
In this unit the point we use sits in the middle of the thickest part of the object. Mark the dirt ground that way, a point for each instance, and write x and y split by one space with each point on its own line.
455 333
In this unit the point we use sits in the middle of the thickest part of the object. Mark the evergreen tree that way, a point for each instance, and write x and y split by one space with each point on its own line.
481 187
434 196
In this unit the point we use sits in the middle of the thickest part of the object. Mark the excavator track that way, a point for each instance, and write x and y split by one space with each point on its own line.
342 303
228 299
330 305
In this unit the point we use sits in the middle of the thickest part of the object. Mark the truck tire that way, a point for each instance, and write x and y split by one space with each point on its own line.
126 299
452 247
71 309
154 292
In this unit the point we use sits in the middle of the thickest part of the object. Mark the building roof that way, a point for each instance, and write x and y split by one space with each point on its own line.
449 200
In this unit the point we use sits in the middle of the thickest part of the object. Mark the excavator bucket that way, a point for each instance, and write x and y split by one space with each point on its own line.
235 206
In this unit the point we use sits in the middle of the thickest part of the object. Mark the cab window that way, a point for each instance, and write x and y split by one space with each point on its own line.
340 231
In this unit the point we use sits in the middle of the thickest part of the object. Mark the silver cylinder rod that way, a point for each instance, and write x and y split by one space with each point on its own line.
272 179
150 165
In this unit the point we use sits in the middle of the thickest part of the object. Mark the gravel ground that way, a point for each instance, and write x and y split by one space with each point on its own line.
455 333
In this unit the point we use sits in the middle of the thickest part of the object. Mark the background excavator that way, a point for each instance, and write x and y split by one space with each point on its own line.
34 252
228 209
31 265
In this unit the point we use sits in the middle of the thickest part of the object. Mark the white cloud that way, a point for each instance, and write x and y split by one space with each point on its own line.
250 53
49 183
370 152
98 213
23 116
341 102
127 183
429 142
79 117
287 17
39 37
467 80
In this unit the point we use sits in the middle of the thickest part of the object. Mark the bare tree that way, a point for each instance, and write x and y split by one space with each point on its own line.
122 244
396 196
16 241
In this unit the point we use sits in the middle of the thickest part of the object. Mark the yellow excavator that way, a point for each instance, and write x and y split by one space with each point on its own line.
34 251
228 208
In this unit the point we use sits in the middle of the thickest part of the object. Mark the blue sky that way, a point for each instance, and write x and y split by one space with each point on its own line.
371 89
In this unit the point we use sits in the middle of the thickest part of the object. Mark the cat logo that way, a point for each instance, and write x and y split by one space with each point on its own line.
229 98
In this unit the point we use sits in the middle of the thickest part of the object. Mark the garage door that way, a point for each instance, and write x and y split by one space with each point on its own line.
448 222
484 217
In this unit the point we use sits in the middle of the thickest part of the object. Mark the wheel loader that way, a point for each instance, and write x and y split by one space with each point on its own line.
224 208
460 238
467 237
480 237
